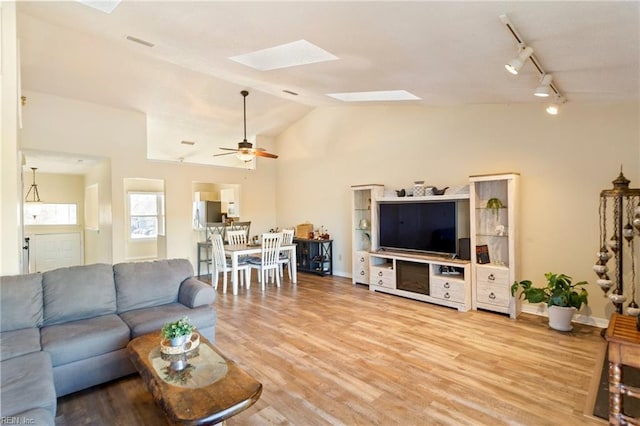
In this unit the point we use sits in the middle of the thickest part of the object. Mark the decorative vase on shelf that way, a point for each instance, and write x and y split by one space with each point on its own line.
418 188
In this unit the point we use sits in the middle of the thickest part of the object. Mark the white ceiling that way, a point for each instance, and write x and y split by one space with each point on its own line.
446 53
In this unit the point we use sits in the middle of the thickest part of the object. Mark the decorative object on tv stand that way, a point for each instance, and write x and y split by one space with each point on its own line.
436 191
563 298
418 188
622 203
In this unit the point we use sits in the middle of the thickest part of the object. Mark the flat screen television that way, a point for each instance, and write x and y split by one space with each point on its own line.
429 227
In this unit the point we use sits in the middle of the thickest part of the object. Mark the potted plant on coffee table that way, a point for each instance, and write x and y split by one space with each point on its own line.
177 332
563 298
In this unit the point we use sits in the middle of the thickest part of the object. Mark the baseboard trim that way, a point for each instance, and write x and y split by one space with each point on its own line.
541 310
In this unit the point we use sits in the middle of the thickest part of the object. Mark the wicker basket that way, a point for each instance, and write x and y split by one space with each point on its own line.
303 230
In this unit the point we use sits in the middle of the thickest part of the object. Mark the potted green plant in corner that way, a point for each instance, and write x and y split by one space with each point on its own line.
563 298
177 332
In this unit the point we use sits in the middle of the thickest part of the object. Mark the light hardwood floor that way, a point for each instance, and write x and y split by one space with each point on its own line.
329 353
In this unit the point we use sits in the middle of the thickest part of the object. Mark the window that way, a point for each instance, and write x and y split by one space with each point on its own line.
50 214
146 215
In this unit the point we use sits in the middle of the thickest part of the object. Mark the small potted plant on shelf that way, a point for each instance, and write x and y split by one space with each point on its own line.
563 298
177 332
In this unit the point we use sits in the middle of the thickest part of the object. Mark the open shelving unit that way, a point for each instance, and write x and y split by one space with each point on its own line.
493 232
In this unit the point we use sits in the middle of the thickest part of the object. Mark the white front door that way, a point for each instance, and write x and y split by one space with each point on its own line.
51 251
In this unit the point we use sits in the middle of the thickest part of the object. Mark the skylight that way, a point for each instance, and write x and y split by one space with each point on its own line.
381 95
106 6
292 54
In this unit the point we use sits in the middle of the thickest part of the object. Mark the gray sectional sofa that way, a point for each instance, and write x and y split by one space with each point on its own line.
67 329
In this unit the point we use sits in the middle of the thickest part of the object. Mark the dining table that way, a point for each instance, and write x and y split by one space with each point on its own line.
235 252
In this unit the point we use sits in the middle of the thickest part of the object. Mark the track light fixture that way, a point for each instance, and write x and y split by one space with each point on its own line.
547 86
514 65
544 90
554 107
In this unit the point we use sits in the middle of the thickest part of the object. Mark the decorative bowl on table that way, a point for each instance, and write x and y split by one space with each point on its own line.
192 342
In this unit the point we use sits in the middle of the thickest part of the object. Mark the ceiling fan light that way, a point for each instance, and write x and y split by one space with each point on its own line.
245 155
514 65
544 90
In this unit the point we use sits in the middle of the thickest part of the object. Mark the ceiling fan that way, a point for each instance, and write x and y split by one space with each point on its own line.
245 151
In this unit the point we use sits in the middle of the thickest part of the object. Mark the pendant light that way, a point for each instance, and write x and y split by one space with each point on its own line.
33 190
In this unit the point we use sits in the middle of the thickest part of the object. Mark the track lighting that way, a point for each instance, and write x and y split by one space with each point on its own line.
547 86
554 107
514 65
544 89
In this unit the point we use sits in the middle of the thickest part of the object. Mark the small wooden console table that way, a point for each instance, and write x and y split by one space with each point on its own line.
210 389
624 349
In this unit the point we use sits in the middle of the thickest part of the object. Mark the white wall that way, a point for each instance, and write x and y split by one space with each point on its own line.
564 161
64 125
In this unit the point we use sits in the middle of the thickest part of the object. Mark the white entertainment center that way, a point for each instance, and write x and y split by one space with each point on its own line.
431 271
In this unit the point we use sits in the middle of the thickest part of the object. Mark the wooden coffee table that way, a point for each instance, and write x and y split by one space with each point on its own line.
210 389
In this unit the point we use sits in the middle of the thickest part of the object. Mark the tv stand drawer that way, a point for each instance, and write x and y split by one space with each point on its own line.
447 289
384 277
493 294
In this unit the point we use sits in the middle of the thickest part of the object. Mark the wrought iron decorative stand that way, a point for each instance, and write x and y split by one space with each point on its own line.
625 203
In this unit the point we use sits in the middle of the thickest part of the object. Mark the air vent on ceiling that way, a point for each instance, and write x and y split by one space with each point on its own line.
140 41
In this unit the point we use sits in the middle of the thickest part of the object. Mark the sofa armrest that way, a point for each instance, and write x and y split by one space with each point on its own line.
194 293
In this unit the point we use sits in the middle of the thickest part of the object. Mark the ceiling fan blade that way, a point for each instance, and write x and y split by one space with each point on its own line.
265 154
228 149
226 153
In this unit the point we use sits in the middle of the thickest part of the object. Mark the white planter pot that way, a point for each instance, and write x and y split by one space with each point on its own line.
560 318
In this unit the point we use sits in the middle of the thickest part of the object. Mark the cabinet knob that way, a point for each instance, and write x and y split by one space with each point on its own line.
361 272
362 259
446 285
491 277
380 273
446 295
380 282
492 296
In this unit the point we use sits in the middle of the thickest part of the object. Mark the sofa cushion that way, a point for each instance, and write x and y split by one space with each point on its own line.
85 338
19 342
21 302
78 292
147 284
150 320
27 383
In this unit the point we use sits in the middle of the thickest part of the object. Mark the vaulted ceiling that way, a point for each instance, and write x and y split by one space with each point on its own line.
446 53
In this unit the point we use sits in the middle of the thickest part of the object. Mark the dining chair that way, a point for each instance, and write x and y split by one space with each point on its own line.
240 226
223 265
237 237
267 264
285 256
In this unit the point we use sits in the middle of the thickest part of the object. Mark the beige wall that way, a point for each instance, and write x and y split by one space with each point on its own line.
98 242
564 161
11 241
64 125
